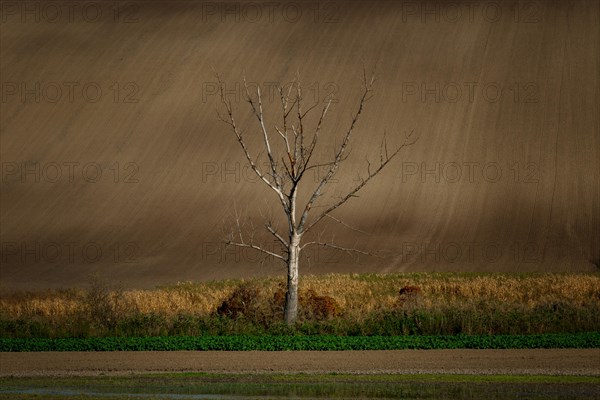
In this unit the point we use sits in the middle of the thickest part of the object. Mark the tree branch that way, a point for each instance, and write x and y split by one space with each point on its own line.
306 153
367 88
249 243
258 112
345 224
275 186
277 235
363 182
337 247
252 246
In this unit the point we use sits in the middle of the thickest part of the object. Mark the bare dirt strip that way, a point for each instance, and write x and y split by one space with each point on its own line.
520 362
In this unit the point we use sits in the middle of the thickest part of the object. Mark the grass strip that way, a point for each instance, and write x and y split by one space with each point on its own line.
320 343
314 386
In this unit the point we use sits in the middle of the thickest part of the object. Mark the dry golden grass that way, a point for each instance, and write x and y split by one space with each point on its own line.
357 295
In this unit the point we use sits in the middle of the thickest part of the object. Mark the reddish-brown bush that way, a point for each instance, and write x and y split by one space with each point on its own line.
409 295
321 307
242 301
311 305
409 291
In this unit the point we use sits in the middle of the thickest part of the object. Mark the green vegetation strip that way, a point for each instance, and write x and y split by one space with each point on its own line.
278 343
313 386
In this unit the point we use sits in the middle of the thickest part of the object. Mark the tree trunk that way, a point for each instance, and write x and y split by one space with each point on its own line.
291 297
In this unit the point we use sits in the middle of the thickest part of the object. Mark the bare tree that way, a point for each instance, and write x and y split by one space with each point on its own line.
286 168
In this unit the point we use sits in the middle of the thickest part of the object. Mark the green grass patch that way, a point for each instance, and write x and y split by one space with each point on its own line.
320 343
314 386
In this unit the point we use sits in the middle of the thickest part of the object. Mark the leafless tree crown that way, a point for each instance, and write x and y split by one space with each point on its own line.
285 170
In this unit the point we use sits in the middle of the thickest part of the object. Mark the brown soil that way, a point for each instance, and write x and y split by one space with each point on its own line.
529 362
504 176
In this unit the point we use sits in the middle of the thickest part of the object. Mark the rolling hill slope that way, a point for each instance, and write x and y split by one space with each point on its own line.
113 158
